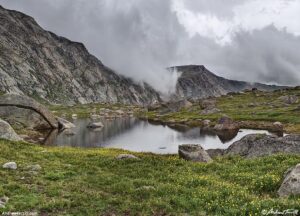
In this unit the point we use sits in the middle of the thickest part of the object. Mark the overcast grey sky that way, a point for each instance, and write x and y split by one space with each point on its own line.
251 40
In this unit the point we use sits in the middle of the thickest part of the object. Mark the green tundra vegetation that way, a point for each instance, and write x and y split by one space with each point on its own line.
253 106
84 110
93 182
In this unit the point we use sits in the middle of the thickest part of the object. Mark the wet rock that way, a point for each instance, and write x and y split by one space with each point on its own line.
69 132
206 123
126 156
226 123
291 182
278 126
10 165
7 132
95 125
95 116
269 126
96 130
256 145
64 124
194 153
74 116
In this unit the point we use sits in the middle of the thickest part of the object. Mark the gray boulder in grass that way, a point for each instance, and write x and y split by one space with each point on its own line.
126 156
291 182
7 132
192 152
10 165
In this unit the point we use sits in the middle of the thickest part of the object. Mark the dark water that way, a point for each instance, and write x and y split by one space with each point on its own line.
142 136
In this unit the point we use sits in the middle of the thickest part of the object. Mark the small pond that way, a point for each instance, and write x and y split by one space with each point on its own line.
142 136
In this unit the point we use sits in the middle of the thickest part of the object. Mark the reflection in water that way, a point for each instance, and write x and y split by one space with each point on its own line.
87 137
50 137
142 136
179 127
227 136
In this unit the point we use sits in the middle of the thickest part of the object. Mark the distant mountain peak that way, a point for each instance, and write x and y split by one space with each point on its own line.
197 82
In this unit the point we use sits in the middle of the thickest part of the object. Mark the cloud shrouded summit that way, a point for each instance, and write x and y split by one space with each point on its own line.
240 39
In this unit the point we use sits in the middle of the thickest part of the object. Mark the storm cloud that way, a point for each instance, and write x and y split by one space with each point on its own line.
251 40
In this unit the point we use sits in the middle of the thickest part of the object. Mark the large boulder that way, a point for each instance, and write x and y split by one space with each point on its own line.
226 123
209 106
255 145
94 125
64 124
192 152
291 182
24 102
20 118
7 132
289 99
178 105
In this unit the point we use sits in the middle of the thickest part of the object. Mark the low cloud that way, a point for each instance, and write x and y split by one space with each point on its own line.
246 16
140 39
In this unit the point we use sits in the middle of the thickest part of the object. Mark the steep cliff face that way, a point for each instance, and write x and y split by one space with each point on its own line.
196 82
41 64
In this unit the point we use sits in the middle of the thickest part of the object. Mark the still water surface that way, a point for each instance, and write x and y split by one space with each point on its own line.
142 136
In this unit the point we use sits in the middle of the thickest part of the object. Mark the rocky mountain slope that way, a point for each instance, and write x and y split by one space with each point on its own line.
43 65
196 82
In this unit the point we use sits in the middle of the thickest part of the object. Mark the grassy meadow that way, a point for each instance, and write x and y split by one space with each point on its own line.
93 182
